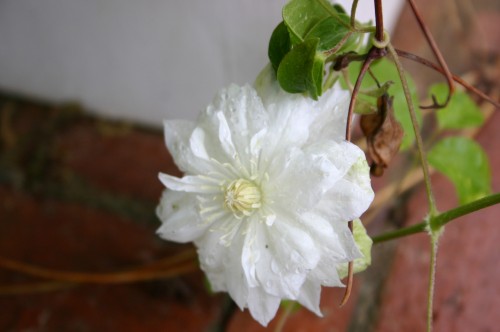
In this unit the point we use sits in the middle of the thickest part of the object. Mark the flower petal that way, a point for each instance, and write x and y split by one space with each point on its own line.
177 139
181 222
222 263
322 119
191 184
350 197
286 255
262 306
330 115
309 296
233 118
197 144
300 178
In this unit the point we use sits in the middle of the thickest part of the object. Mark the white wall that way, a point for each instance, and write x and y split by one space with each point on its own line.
144 60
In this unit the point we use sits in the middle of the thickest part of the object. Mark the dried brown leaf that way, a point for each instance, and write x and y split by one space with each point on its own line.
383 134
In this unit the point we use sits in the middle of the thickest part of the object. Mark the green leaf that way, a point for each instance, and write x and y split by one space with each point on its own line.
301 16
461 111
376 92
465 163
339 8
279 45
330 32
318 19
386 71
301 70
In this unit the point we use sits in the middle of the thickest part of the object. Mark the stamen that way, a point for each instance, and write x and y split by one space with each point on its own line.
242 197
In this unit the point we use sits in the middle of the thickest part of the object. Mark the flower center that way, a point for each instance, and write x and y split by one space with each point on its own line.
242 197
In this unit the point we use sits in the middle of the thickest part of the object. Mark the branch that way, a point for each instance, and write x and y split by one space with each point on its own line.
458 79
441 219
438 55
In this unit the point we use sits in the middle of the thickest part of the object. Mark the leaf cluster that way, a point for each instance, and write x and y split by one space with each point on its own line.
312 33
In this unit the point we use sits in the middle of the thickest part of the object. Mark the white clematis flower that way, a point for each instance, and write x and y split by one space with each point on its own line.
269 186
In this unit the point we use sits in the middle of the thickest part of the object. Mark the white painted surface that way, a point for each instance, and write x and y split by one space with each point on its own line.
142 60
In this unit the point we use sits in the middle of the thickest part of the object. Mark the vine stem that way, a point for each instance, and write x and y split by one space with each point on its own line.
441 219
437 54
366 64
456 78
416 130
432 280
379 21
354 7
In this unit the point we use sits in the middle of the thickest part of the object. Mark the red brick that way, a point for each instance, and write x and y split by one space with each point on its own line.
67 236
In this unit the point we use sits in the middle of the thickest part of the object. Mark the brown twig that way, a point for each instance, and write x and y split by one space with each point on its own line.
36 287
456 78
144 273
437 53
350 269
379 21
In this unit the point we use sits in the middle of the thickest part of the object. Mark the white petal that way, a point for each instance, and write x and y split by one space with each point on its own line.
237 285
236 113
351 196
225 137
197 144
262 306
211 256
325 234
223 264
309 296
177 139
250 256
257 141
347 240
286 254
330 115
243 109
333 247
299 179
311 120
190 183
181 222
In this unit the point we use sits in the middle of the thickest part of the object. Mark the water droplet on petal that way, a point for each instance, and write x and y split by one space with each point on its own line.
275 267
270 219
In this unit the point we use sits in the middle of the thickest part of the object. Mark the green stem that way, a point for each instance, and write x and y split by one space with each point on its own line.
410 230
432 280
441 219
445 217
416 129
287 312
